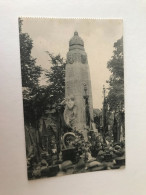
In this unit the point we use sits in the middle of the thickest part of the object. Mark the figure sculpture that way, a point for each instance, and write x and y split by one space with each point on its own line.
70 112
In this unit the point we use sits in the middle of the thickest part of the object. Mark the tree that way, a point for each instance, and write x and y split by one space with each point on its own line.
30 75
116 82
30 71
56 79
37 99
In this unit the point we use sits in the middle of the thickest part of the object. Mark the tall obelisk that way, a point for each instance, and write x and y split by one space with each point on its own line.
77 76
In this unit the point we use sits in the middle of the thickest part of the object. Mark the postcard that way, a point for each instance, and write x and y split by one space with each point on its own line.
73 95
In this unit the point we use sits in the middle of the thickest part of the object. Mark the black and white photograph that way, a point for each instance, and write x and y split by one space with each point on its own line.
72 74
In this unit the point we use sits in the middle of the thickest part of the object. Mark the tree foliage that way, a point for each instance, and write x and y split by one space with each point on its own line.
116 81
30 76
30 71
39 99
56 79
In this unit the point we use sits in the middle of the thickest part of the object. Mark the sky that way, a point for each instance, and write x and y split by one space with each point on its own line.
99 36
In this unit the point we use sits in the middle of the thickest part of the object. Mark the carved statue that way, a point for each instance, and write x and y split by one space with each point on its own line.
70 112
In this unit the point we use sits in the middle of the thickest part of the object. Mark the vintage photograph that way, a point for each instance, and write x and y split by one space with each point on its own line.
73 95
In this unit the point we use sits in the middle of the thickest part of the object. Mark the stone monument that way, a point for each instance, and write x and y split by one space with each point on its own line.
77 76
